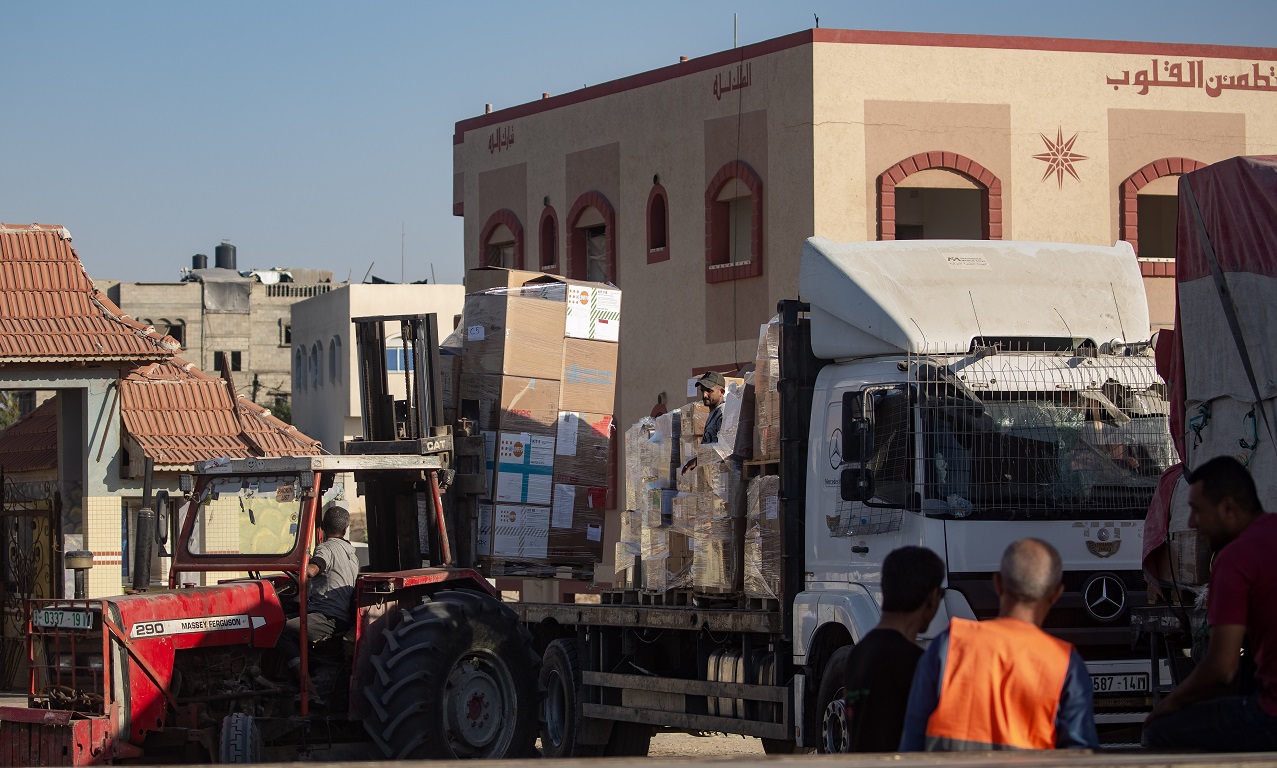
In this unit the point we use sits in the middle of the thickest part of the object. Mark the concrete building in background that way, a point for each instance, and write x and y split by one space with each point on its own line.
218 309
324 385
692 186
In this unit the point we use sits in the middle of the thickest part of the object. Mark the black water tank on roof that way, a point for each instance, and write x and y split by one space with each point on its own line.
199 261
224 255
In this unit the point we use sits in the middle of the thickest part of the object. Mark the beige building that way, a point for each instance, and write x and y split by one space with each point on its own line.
325 365
693 186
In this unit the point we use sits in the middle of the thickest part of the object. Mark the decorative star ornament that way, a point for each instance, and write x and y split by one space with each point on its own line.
1059 157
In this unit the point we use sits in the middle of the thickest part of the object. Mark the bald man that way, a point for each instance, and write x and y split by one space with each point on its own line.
1004 683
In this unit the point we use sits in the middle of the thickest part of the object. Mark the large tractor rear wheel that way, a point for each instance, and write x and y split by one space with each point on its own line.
240 741
457 679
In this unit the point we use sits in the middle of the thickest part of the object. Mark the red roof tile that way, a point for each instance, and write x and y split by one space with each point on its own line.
180 415
51 312
31 443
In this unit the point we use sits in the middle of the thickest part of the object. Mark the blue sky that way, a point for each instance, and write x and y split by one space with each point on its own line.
308 133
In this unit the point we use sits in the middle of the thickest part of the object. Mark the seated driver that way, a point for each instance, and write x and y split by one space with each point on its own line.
330 594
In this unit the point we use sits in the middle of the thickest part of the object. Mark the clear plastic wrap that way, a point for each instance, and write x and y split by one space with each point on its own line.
667 559
766 397
715 566
762 538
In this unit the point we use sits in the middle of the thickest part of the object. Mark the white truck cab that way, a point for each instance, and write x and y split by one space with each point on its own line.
979 392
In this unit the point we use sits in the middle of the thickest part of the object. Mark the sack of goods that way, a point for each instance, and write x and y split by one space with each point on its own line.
536 369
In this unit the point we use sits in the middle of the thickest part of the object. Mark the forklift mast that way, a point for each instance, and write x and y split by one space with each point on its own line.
406 522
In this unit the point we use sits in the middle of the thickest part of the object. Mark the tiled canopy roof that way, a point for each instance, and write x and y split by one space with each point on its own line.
31 443
50 311
180 415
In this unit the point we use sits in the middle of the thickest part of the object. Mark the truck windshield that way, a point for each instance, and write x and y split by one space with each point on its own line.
1019 455
255 515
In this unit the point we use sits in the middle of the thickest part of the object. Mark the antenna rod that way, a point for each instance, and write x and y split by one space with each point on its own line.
401 239
735 28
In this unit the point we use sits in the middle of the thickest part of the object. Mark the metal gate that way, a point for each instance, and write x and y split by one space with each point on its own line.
28 533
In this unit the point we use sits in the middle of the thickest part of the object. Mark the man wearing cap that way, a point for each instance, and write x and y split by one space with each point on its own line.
330 592
712 387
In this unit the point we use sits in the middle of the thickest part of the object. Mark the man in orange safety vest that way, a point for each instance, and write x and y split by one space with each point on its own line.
1004 683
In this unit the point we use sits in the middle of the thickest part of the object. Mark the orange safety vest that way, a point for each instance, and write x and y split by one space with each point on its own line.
1001 687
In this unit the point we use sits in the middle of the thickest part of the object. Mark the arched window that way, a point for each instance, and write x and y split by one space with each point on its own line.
592 239
549 251
334 360
939 195
316 379
734 223
501 241
299 369
1148 208
658 227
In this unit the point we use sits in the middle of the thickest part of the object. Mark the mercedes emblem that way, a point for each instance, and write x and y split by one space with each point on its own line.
1104 597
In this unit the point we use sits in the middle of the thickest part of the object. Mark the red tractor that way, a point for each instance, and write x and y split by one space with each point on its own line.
434 665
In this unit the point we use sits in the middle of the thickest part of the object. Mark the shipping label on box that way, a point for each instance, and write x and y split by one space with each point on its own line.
520 531
593 313
525 468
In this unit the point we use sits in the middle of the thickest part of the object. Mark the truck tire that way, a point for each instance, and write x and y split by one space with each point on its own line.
835 737
629 740
561 680
456 679
240 741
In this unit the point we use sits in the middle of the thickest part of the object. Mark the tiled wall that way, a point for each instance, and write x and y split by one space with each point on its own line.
105 539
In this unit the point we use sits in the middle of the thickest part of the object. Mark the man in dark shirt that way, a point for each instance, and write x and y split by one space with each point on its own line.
1241 605
880 668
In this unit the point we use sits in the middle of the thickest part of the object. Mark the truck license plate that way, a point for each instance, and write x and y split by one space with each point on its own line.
63 619
1120 683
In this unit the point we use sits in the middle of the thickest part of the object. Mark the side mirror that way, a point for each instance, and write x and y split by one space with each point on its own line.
857 484
161 518
857 429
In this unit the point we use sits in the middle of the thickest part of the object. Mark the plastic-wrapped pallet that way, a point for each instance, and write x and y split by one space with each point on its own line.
732 396
628 549
762 537
715 562
667 562
766 397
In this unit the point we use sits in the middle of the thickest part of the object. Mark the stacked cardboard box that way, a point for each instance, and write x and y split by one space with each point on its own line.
703 529
766 396
762 537
540 357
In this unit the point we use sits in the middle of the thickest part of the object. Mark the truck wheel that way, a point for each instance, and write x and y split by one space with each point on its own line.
629 740
240 741
561 680
835 734
457 679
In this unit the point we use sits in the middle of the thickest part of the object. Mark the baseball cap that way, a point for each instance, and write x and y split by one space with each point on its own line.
711 379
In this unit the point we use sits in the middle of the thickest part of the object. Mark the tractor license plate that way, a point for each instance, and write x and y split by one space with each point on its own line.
63 619
1131 683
